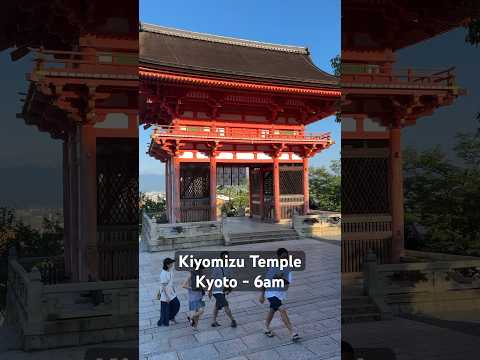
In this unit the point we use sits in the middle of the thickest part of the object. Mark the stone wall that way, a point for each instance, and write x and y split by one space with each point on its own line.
163 237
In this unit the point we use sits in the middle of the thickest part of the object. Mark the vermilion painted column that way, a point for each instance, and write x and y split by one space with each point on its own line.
213 187
306 194
276 189
167 190
66 210
261 193
88 252
74 205
250 190
177 217
396 195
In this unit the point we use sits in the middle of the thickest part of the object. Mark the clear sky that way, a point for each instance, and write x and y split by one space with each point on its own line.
311 23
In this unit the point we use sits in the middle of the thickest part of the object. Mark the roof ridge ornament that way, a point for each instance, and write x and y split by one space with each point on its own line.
222 39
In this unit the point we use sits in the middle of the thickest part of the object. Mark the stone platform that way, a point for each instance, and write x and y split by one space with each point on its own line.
313 304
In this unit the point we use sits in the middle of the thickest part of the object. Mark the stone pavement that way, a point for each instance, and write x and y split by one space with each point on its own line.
412 340
313 303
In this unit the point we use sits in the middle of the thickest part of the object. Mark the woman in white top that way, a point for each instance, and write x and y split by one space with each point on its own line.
168 298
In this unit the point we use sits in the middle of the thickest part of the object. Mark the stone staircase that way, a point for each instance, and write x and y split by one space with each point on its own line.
263 236
9 339
359 309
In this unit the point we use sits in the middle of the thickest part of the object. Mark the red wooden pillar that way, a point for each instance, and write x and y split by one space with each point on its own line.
177 215
88 252
213 187
250 190
396 194
67 252
167 191
74 205
276 189
261 194
306 194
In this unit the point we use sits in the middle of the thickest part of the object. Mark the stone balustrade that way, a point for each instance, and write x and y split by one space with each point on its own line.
69 314
162 237
325 226
441 289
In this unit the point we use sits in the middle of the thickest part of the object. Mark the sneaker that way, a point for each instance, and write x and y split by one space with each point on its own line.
269 333
234 324
215 324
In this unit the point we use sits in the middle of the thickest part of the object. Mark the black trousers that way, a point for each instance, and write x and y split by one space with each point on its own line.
168 311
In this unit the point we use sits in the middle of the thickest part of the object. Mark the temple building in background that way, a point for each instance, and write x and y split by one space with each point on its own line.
219 106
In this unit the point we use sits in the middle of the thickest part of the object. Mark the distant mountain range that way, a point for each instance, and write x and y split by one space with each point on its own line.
151 182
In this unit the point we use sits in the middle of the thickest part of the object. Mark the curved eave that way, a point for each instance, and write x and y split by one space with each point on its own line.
146 73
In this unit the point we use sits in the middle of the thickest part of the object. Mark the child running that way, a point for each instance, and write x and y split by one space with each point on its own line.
196 305
275 296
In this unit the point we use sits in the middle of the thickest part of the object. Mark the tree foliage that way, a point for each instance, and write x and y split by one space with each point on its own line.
238 199
156 208
443 197
325 187
28 241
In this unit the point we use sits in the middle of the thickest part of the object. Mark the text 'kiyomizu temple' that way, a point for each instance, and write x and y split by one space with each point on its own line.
223 105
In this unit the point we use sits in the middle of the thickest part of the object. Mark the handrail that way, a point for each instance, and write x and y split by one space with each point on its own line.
226 132
444 77
77 58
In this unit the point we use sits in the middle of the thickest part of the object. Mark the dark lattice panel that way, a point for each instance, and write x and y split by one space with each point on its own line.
255 187
365 185
117 181
291 182
231 175
268 183
194 181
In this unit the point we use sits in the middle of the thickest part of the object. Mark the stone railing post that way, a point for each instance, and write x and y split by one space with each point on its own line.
12 253
370 276
34 303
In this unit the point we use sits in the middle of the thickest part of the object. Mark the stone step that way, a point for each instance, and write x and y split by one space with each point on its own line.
356 300
10 339
361 317
254 240
263 233
264 236
359 309
349 310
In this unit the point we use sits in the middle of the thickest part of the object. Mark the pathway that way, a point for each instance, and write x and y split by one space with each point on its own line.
313 303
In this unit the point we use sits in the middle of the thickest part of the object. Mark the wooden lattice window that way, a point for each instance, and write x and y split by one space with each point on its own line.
228 175
194 181
117 181
365 185
268 183
291 181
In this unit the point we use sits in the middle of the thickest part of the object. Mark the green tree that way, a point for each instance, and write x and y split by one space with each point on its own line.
154 208
325 187
443 196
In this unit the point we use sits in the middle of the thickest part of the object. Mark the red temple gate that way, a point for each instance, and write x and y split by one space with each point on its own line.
217 102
